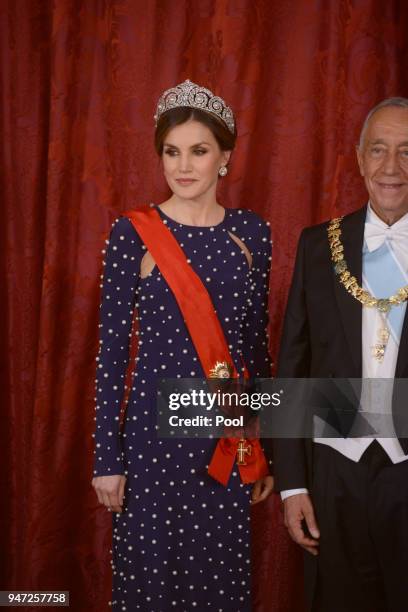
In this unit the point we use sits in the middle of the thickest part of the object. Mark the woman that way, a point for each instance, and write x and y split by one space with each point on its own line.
181 539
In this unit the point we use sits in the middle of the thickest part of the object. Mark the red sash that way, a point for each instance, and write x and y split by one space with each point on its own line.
206 334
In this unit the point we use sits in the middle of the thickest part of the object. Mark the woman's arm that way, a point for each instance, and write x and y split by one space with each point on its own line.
119 286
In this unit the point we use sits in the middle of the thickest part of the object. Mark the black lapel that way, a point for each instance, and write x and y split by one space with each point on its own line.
352 236
401 369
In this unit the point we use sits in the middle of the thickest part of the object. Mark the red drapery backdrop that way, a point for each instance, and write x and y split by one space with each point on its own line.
79 81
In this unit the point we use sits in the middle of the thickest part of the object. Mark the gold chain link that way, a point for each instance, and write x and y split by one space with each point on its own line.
349 282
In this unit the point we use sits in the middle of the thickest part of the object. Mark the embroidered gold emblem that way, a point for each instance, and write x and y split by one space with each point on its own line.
222 369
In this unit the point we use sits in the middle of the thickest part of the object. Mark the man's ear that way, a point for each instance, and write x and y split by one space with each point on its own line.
360 159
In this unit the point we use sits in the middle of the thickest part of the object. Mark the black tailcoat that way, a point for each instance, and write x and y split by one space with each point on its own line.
322 338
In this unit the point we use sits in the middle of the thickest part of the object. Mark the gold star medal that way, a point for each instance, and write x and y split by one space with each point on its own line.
222 369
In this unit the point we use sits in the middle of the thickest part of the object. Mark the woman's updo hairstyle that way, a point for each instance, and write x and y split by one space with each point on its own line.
177 116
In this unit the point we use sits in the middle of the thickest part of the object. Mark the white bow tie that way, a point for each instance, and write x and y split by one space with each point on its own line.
375 235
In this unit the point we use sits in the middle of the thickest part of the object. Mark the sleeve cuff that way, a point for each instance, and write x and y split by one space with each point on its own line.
289 492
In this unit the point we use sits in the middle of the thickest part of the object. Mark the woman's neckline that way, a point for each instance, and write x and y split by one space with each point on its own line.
200 227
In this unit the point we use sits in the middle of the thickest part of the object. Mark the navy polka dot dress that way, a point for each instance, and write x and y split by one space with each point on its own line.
182 540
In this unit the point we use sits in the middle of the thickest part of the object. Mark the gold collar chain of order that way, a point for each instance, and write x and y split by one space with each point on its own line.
350 283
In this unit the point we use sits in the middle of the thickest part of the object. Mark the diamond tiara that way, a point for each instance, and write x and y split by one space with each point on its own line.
191 95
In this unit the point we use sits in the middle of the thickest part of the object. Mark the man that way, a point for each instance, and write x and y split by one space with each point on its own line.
346 499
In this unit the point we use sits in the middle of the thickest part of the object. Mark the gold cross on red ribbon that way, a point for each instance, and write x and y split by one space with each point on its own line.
243 450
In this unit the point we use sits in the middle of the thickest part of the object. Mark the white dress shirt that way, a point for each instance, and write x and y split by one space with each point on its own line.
375 232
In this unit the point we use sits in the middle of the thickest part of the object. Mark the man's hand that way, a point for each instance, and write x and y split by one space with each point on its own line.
298 508
261 490
110 491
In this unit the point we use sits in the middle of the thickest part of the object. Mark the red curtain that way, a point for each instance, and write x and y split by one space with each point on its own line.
79 82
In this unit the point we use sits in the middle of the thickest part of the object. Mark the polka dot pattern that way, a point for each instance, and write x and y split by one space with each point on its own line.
182 541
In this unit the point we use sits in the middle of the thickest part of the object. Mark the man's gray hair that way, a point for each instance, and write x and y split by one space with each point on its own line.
399 102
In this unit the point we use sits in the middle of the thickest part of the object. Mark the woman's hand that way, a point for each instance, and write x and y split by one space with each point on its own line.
110 491
262 489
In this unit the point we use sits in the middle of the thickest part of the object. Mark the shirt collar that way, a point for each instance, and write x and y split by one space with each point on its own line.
372 217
